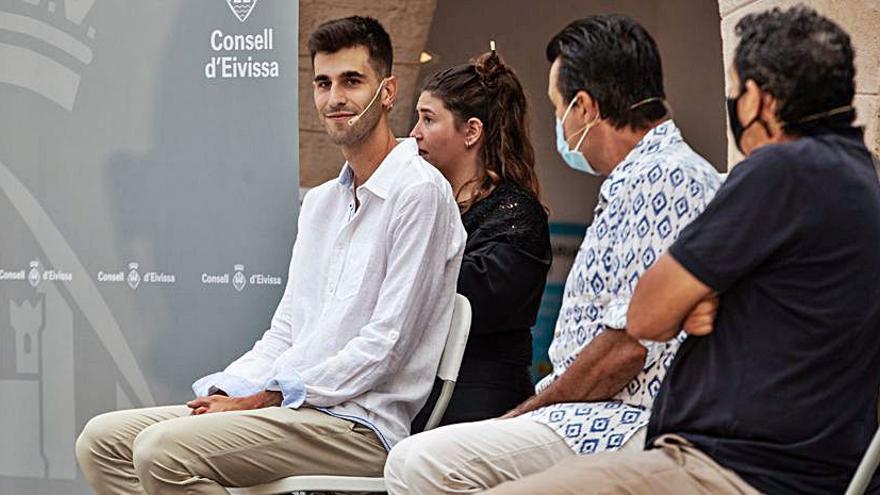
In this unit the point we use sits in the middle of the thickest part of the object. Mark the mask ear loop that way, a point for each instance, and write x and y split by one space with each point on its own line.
586 128
820 115
663 101
757 117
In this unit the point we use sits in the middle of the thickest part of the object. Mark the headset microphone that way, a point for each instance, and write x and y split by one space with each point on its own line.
352 121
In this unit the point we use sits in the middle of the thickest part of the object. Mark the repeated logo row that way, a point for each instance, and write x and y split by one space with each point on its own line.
134 277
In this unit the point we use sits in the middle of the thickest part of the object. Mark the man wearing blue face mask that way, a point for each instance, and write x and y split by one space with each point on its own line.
778 394
606 85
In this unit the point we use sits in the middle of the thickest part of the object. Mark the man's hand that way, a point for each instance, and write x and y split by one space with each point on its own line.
215 403
219 403
701 319
528 406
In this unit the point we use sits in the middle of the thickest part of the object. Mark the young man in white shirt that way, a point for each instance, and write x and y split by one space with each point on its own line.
352 350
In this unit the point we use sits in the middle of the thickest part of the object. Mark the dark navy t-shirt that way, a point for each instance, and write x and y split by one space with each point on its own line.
784 391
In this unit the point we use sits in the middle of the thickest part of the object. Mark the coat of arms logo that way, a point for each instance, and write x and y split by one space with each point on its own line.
34 276
239 280
241 8
134 278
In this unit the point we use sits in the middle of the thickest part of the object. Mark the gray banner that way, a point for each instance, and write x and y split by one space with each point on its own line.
148 203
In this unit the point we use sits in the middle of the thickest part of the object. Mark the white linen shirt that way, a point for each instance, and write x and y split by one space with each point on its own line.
368 303
659 188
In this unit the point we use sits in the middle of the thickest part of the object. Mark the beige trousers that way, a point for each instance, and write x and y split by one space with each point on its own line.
166 450
673 467
471 457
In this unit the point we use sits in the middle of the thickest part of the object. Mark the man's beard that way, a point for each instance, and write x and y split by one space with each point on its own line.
357 133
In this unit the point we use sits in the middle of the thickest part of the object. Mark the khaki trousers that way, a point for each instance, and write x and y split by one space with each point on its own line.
471 457
166 450
673 467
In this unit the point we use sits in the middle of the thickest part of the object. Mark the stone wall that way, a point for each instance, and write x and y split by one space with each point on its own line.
860 18
408 22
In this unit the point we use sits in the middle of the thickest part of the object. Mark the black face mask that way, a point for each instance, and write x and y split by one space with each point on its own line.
738 129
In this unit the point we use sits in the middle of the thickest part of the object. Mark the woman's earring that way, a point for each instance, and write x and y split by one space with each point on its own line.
467 144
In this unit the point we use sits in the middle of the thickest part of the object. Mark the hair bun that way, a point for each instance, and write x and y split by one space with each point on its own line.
489 67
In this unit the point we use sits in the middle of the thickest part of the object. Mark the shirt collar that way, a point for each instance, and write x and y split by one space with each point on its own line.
386 174
653 142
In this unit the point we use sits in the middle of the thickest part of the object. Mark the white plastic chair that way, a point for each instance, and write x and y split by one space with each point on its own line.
450 363
868 465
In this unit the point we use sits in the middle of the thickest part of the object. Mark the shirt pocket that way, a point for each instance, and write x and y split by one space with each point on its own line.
354 268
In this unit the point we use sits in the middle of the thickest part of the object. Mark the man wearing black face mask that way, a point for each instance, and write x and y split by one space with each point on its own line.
777 392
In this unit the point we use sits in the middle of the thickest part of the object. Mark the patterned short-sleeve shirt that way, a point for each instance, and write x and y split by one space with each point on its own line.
660 187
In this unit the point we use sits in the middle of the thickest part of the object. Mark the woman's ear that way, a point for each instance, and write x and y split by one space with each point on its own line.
473 131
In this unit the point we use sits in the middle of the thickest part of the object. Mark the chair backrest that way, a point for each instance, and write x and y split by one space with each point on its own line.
450 362
868 465
456 341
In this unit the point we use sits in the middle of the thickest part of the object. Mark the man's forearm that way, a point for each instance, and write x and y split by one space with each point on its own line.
266 398
602 369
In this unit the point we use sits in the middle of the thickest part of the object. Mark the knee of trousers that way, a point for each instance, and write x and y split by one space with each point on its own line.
423 463
95 440
154 453
395 464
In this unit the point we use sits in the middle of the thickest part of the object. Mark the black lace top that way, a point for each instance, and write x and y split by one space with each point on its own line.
505 265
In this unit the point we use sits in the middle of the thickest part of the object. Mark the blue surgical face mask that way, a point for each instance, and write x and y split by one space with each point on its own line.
573 156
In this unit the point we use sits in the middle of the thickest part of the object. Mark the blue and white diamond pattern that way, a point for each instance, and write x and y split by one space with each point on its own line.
664 228
599 424
658 202
643 228
614 441
643 205
681 207
588 446
573 430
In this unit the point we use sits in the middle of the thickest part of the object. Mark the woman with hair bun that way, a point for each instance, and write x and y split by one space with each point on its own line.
473 126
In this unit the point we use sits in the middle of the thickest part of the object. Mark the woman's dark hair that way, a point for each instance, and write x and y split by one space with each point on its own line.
801 58
348 32
616 61
488 90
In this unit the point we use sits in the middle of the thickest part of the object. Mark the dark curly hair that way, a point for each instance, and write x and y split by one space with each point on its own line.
616 61
489 90
348 32
801 58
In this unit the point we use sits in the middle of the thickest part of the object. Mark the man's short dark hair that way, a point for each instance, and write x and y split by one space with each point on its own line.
615 60
801 58
338 34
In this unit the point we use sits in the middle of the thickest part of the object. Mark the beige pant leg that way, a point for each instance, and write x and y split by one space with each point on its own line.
470 457
104 448
198 455
673 468
636 443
